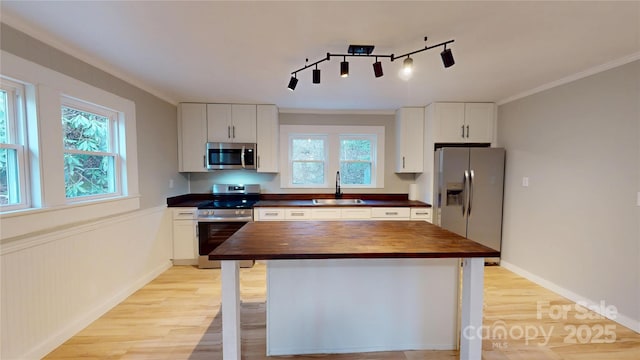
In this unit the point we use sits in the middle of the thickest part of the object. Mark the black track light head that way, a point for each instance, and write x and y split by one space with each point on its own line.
377 69
344 68
447 58
316 76
292 83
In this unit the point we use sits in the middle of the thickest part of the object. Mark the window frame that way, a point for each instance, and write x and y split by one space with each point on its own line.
333 135
113 146
325 160
373 140
17 140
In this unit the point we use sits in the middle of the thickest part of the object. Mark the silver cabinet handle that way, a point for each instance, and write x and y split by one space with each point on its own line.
465 192
242 157
470 192
403 162
228 132
462 127
422 213
258 165
204 160
234 131
467 131
297 214
185 213
391 213
271 214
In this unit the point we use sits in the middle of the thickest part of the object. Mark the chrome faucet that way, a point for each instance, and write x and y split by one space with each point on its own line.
338 192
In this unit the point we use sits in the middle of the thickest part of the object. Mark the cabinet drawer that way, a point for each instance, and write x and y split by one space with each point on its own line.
355 213
326 214
421 214
391 213
297 214
266 214
184 213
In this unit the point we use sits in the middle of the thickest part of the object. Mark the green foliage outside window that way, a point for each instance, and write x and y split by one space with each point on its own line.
88 166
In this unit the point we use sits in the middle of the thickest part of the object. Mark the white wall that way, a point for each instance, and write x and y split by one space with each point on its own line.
575 228
57 283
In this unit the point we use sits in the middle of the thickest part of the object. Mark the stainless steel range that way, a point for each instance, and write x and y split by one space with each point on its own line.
218 219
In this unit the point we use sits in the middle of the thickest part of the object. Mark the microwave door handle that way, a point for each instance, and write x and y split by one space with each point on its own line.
242 157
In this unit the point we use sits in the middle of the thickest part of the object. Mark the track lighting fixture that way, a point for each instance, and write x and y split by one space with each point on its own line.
407 65
377 68
344 67
366 51
292 83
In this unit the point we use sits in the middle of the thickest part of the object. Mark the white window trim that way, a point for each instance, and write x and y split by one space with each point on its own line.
17 139
332 164
47 183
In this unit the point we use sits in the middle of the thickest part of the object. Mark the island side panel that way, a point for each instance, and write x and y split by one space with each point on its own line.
361 305
231 310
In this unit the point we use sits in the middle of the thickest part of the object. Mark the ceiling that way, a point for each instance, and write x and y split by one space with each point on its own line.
244 52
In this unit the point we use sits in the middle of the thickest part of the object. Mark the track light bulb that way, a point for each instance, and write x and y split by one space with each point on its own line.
407 65
377 69
292 83
344 68
447 58
316 76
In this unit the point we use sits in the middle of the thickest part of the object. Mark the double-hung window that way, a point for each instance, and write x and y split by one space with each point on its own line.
357 159
13 161
308 159
91 156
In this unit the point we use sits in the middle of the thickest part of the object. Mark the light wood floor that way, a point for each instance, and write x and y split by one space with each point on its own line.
177 316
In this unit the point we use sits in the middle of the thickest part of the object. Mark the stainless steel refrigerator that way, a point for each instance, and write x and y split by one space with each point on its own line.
468 192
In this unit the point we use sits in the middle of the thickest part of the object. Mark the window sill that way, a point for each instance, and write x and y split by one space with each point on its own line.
23 222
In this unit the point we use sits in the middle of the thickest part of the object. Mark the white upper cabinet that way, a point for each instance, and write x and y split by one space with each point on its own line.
192 137
231 123
267 138
463 122
409 140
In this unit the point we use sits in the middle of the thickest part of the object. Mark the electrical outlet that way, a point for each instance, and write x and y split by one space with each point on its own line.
170 183
525 182
638 199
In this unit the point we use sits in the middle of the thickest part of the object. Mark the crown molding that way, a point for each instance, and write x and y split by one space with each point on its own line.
571 78
47 38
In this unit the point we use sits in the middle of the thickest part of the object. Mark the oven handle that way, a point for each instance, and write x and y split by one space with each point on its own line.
225 219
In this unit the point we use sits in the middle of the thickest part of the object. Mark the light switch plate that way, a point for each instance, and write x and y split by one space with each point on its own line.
525 182
638 199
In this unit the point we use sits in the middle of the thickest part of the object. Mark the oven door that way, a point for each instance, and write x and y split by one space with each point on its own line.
229 156
210 235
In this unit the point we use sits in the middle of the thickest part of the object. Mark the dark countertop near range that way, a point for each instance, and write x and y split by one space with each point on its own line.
304 200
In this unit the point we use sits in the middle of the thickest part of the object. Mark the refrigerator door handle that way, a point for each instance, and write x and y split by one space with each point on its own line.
470 192
465 192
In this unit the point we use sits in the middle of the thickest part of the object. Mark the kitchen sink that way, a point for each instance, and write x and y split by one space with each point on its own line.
337 201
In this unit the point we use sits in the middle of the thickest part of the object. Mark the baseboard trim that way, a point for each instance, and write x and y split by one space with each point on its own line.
621 319
66 333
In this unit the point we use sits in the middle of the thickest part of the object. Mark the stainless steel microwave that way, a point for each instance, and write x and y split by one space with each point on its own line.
229 156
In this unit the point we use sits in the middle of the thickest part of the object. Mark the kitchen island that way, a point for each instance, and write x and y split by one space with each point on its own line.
350 246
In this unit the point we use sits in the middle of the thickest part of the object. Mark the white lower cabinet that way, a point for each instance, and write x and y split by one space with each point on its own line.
394 213
355 213
342 213
420 213
297 214
269 214
185 236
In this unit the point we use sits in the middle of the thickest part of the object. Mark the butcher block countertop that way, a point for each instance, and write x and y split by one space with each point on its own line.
271 240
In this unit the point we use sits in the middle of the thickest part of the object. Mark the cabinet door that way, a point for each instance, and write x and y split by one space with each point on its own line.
448 126
219 122
409 140
479 119
326 214
192 137
184 240
267 138
243 123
